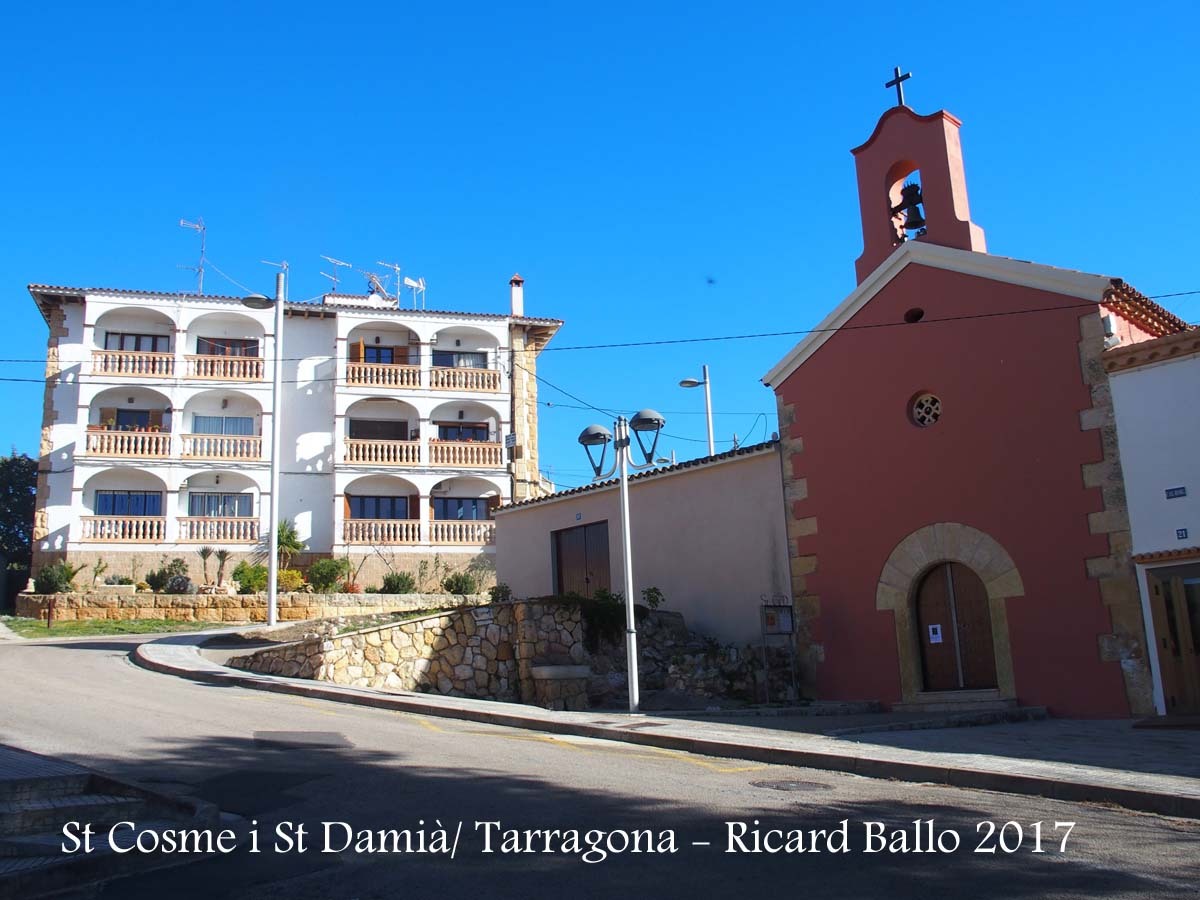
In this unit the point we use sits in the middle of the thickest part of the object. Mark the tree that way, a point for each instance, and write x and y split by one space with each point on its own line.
18 496
289 542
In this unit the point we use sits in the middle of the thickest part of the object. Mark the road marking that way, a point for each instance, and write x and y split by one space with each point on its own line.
425 723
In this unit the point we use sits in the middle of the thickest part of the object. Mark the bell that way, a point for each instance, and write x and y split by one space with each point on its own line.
910 204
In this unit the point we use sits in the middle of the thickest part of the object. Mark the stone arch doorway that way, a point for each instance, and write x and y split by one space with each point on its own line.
954 629
908 569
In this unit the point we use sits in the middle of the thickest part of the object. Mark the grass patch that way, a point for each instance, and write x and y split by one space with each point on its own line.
346 624
36 628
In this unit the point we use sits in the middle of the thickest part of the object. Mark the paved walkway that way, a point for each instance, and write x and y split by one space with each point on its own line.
1017 763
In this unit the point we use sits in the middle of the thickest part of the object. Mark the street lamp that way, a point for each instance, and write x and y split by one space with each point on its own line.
693 382
646 422
258 301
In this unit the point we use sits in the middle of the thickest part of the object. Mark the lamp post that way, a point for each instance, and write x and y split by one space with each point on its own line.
645 422
691 383
258 301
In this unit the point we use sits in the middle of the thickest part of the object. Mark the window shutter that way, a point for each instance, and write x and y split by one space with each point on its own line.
108 414
357 351
156 418
346 506
414 506
493 505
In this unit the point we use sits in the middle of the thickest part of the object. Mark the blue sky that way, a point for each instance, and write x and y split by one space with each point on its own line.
617 155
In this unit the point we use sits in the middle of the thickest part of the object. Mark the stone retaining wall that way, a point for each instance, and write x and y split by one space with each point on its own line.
240 608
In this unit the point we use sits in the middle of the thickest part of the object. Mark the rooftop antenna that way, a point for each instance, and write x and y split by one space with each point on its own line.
418 287
376 285
335 278
198 225
395 271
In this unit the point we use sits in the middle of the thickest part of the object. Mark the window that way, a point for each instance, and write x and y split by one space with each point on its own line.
220 505
226 346
241 425
452 359
129 419
378 507
378 430
462 431
144 343
128 503
459 508
384 355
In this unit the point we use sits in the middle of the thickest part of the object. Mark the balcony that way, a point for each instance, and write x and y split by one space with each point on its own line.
123 529
222 446
382 453
456 532
383 375
225 368
381 531
466 454
464 379
211 530
133 363
129 444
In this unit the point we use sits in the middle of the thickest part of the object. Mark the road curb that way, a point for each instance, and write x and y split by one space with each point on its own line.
510 715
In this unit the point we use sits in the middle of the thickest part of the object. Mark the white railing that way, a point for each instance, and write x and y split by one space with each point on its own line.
222 446
466 454
456 532
136 444
381 531
225 530
464 379
383 375
382 453
225 368
124 529
134 363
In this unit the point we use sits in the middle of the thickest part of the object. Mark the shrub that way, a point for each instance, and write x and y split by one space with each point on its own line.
56 578
290 579
180 584
460 583
652 597
158 578
118 579
251 578
142 586
325 574
398 583
500 592
350 587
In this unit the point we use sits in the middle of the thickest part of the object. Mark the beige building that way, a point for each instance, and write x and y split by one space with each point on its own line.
708 533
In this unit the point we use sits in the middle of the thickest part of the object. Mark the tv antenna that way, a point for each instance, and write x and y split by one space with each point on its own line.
418 287
395 271
198 225
335 278
375 283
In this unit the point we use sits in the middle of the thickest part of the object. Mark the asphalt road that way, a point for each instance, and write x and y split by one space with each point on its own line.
275 758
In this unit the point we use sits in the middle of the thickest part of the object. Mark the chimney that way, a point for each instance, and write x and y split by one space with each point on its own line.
516 286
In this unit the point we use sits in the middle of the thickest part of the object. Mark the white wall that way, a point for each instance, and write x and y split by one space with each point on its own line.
1158 429
711 538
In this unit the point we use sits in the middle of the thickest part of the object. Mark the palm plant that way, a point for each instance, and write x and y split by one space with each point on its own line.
205 553
222 558
289 542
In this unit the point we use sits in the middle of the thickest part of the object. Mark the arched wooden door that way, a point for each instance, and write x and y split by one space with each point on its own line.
955 625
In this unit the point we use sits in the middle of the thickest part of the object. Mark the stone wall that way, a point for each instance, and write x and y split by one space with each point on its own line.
486 651
241 608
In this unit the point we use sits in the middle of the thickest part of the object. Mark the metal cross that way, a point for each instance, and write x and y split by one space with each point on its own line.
898 83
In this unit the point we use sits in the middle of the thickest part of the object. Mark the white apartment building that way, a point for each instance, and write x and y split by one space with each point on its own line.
402 429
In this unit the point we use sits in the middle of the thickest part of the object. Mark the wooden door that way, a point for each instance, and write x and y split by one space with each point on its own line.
955 630
581 559
1175 611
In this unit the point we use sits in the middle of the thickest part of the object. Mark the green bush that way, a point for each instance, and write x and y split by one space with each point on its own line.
325 574
460 583
398 583
158 578
290 579
56 578
118 579
251 578
500 592
179 584
652 597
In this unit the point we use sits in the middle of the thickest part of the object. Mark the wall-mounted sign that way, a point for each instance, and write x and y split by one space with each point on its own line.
777 620
1181 533
1176 492
510 440
935 634
578 516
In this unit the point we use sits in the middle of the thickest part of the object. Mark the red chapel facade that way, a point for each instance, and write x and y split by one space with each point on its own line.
957 528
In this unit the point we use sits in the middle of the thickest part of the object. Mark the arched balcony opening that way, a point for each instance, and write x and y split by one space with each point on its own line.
218 508
225 346
224 425
382 432
123 506
383 355
381 510
466 435
465 359
130 423
135 342
462 510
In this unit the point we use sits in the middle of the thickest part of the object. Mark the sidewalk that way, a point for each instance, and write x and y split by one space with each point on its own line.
1034 758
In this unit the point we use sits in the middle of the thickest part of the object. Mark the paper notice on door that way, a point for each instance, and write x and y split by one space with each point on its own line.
935 634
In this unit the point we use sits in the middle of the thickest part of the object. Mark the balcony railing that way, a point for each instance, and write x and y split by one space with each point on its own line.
383 453
129 444
383 375
464 379
133 363
212 530
381 531
124 529
466 454
456 532
225 368
222 446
